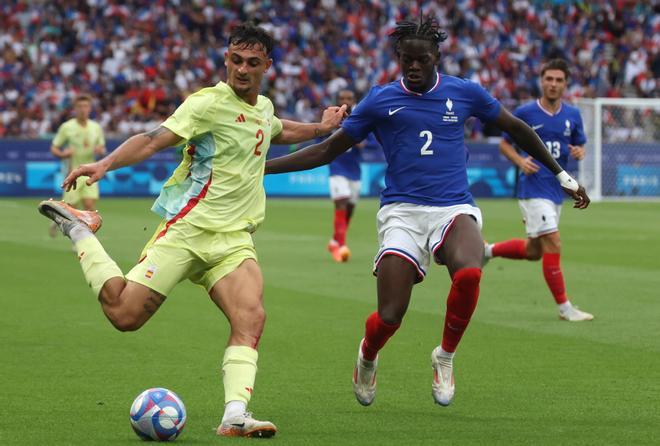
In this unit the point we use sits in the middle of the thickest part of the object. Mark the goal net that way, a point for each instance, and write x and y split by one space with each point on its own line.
623 148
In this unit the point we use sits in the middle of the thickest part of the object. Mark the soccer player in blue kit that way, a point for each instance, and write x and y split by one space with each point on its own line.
426 209
540 197
344 188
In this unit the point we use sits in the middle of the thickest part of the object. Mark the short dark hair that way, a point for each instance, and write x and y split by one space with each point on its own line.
427 28
556 64
348 90
248 34
82 97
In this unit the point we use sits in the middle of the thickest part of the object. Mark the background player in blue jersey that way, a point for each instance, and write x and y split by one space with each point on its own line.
344 187
427 211
560 127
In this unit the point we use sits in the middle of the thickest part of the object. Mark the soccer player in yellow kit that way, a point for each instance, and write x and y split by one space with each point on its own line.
210 206
78 141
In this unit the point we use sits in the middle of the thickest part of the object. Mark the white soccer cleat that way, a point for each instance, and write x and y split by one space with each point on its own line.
364 378
443 378
246 426
572 314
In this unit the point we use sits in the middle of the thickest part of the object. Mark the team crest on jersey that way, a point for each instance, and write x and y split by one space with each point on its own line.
567 132
265 116
449 115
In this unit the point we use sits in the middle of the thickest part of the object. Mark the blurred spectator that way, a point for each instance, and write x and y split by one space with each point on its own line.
141 58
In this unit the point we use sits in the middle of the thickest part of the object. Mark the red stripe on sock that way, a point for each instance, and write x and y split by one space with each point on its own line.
340 226
376 335
554 277
511 249
461 303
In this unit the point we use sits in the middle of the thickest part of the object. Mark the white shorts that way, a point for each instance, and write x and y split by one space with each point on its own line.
341 187
541 216
415 232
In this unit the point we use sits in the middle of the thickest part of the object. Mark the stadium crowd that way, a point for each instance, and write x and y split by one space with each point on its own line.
140 58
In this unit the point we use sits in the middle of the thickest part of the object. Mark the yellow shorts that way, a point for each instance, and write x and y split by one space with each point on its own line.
81 192
183 251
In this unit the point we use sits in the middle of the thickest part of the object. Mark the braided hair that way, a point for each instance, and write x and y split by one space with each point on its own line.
426 29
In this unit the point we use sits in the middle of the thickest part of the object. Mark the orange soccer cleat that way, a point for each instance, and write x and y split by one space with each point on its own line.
345 253
66 216
333 249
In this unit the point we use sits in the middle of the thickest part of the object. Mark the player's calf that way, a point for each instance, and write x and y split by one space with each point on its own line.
128 305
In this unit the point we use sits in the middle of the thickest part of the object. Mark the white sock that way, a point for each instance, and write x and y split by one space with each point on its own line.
488 250
565 306
79 232
234 409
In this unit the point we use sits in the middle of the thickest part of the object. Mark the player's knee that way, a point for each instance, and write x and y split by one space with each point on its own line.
554 246
550 244
534 255
392 314
247 327
253 318
259 318
126 322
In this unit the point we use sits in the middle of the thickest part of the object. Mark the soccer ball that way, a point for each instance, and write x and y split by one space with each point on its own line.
158 414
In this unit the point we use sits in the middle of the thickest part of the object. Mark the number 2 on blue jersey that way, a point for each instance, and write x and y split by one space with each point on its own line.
429 138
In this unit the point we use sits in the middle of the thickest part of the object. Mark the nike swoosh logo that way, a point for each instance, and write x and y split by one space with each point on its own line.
391 112
536 127
238 425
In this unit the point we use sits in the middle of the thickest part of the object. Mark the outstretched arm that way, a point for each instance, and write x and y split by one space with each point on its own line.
312 156
294 132
526 164
135 149
59 153
528 140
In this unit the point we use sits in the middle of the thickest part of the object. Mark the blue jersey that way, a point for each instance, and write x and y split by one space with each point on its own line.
347 165
556 131
422 136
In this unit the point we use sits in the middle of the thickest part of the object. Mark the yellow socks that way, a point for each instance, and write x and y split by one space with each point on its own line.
239 368
96 264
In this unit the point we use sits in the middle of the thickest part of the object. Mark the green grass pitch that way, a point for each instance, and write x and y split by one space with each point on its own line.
522 376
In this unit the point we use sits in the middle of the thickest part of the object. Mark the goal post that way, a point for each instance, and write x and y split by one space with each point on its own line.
622 158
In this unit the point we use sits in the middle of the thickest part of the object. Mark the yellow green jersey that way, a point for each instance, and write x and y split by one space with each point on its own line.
219 184
82 140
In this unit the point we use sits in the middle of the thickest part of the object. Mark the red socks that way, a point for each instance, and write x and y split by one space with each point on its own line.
461 303
516 249
376 335
341 224
554 277
511 249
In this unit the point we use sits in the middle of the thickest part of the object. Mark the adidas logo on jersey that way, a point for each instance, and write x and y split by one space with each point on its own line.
240 118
